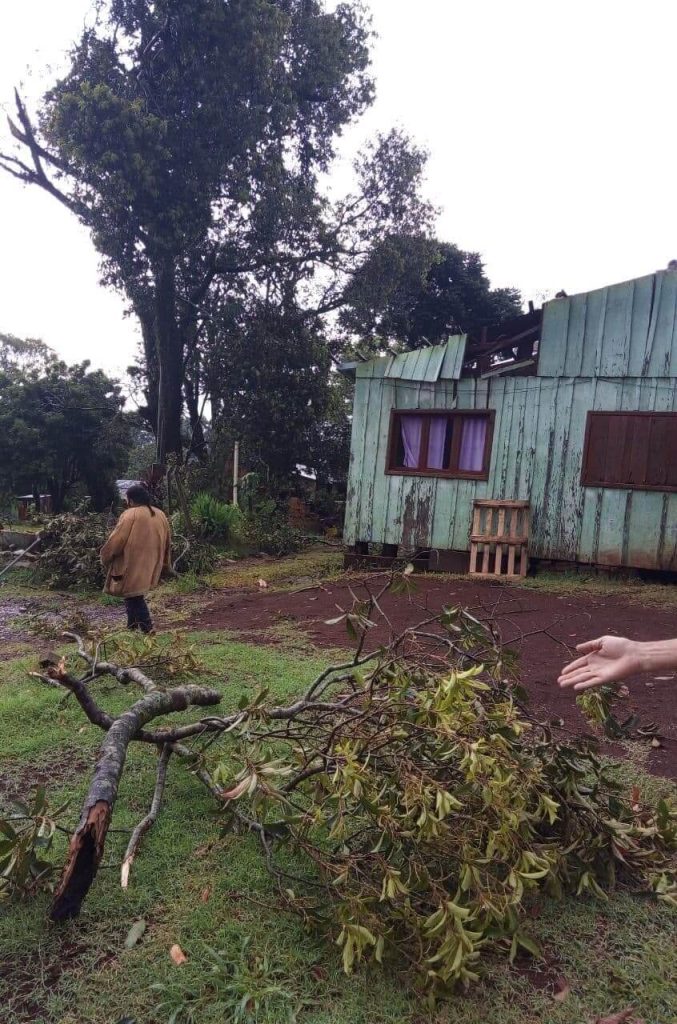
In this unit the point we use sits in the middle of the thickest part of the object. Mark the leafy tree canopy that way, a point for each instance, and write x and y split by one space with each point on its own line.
61 426
417 291
22 355
191 137
268 377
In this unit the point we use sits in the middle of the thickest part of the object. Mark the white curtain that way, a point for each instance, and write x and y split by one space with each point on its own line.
412 428
473 438
436 442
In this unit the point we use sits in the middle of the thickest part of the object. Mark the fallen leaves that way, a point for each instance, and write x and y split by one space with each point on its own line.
135 933
177 955
263 585
205 894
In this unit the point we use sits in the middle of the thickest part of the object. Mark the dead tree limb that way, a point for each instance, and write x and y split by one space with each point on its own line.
87 843
103 668
146 823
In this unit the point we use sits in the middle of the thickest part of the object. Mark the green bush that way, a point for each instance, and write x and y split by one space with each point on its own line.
194 557
215 520
268 531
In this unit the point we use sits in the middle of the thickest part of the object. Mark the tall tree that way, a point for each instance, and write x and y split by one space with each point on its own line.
61 426
191 137
267 375
416 291
23 355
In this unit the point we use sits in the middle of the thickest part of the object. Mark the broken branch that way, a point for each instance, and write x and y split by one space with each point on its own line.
146 823
87 843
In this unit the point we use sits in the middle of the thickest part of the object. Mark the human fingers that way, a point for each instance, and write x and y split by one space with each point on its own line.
573 666
588 684
573 679
590 646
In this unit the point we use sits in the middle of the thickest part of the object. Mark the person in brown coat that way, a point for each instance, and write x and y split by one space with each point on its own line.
136 554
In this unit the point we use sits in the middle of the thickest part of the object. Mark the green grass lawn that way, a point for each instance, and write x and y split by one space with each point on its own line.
202 891
309 566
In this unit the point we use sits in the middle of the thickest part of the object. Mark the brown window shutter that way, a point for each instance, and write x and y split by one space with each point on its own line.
637 468
594 466
661 441
633 450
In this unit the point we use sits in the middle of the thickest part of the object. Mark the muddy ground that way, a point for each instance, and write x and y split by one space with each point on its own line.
543 628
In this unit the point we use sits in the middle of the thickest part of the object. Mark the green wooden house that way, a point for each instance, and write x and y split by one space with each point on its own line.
572 408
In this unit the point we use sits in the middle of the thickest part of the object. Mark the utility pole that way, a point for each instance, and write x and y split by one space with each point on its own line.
236 470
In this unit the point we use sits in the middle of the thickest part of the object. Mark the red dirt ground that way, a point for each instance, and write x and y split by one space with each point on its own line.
568 619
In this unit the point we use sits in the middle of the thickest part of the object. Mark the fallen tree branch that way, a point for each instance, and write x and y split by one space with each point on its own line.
146 823
87 843
338 704
102 668
20 555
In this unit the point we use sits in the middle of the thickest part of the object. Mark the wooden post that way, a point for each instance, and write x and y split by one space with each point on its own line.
498 561
236 471
511 549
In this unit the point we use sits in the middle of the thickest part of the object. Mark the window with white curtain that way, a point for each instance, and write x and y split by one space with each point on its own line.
432 443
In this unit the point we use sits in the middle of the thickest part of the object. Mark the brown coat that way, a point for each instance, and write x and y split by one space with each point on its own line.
137 552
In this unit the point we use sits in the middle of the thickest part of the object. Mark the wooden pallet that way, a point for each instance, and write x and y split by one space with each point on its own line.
500 528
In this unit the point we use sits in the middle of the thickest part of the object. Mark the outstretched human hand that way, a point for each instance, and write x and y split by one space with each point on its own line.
605 660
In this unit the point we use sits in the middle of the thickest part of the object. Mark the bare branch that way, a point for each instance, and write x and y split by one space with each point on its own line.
37 175
102 668
146 823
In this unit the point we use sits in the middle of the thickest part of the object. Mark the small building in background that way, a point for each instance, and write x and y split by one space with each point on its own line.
569 412
29 503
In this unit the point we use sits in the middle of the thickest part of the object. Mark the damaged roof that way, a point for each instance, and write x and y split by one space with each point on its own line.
625 330
424 365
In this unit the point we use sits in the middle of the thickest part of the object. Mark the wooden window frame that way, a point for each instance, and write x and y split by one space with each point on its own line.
587 480
447 474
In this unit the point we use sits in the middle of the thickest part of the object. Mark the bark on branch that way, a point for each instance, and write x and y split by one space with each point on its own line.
87 843
146 823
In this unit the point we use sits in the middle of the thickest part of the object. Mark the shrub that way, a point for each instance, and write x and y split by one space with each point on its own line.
69 551
193 557
26 835
215 520
268 531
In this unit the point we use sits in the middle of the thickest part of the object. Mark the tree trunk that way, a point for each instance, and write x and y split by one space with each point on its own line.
169 348
147 323
198 444
57 490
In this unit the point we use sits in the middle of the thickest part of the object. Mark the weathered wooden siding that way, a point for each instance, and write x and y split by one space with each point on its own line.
626 330
610 350
536 455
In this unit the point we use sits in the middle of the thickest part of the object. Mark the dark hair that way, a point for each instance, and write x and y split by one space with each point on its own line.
140 496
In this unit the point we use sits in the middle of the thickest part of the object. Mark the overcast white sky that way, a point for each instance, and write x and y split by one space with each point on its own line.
551 131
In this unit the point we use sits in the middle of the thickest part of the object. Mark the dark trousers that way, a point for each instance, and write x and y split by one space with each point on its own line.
138 616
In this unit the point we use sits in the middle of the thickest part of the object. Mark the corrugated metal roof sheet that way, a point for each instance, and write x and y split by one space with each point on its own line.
453 358
426 365
626 330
